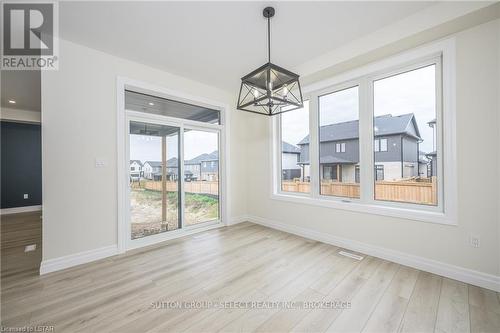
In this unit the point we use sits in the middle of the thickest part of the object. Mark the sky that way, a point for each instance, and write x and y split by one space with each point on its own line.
410 92
148 148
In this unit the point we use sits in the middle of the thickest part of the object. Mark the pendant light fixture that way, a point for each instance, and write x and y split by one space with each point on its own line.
270 89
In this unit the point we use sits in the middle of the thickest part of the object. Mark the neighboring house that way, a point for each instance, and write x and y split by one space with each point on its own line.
396 146
135 169
209 166
202 167
290 158
173 170
152 170
432 156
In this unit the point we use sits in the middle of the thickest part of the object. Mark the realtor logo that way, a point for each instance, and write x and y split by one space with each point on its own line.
29 39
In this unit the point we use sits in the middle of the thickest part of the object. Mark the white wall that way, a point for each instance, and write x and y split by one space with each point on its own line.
79 125
478 199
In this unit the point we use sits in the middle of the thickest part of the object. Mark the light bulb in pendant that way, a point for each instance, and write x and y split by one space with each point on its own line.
255 93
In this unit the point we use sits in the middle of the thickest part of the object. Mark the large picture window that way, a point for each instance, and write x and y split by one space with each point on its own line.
404 113
339 143
377 140
295 170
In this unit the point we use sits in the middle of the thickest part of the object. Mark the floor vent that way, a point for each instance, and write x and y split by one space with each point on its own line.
351 255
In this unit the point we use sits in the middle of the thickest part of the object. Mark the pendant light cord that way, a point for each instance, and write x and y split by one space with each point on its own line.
269 39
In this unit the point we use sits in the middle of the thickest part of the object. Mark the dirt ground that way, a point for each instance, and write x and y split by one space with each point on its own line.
146 217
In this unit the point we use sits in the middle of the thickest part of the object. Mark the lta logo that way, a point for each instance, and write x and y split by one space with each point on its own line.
29 39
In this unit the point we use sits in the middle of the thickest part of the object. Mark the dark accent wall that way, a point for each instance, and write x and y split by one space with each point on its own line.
21 163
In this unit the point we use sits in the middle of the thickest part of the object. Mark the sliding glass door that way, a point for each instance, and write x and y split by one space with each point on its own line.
154 179
201 169
173 168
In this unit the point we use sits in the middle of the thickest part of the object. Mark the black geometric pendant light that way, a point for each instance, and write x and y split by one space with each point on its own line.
270 89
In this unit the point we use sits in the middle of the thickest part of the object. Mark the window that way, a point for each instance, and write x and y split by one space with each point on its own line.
404 110
383 144
339 120
380 145
381 138
340 147
201 201
294 140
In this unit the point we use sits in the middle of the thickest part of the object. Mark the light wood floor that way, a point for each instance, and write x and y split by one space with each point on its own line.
247 263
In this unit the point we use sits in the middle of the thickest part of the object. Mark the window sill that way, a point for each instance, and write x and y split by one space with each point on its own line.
376 209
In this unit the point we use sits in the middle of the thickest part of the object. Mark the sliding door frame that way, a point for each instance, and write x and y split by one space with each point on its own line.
124 241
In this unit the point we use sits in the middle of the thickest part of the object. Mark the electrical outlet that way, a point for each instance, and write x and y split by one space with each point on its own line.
29 248
475 241
26 196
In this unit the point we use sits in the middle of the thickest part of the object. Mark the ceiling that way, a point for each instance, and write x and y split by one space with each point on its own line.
22 87
156 105
219 42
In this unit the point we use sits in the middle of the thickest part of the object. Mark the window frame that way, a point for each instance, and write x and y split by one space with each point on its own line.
442 54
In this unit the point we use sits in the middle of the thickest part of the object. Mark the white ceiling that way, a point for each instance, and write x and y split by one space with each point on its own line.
22 87
218 42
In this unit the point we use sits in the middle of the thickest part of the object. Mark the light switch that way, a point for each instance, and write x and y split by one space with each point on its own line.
25 196
100 163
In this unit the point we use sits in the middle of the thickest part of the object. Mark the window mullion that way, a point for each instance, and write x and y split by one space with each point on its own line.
366 140
314 145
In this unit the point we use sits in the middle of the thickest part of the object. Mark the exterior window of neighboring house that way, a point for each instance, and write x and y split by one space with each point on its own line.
379 172
294 138
339 120
393 96
394 168
340 147
383 144
132 168
380 145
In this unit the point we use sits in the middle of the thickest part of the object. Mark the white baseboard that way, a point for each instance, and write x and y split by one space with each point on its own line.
237 219
466 275
16 210
56 264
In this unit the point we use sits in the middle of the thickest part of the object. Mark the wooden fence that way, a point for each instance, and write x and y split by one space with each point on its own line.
202 187
421 192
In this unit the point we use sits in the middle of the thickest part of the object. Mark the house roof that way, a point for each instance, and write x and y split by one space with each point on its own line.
384 125
154 164
136 161
213 156
174 162
289 148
